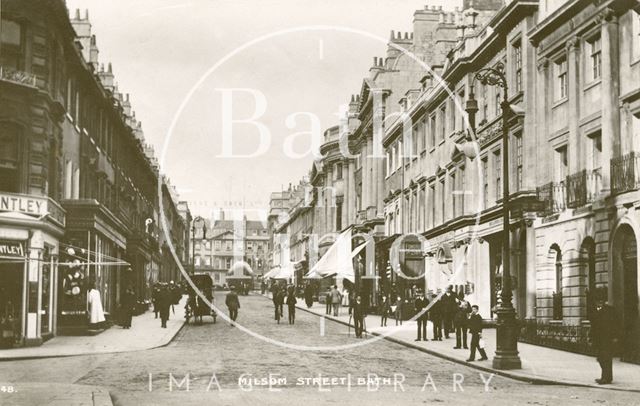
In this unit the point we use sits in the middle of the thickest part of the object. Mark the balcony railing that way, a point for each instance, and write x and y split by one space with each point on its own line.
583 187
18 77
625 173
553 196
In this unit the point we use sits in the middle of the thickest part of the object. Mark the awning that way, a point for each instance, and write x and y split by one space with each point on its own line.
280 272
337 260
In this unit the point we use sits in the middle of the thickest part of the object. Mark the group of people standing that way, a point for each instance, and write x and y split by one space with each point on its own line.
281 295
450 314
164 296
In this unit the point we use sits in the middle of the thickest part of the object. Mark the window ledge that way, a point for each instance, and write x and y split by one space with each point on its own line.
560 102
592 84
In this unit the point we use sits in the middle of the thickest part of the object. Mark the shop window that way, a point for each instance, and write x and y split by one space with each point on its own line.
9 154
12 45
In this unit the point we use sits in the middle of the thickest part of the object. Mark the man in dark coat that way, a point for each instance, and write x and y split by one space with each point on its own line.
358 316
604 336
449 309
308 295
435 314
327 300
164 301
128 305
154 299
420 305
475 328
460 322
291 305
233 304
280 299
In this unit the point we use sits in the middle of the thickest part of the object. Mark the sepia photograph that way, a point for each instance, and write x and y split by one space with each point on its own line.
314 202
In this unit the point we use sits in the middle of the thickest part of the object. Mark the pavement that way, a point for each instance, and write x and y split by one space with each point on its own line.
145 333
540 365
55 395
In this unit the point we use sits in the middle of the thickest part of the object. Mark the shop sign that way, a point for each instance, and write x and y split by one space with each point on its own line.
11 249
32 205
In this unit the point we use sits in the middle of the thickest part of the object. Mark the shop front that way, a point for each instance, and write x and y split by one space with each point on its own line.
30 229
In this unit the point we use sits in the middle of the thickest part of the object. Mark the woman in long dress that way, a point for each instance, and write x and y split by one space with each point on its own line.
96 312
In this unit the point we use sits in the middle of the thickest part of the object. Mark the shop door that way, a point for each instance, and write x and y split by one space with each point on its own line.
11 283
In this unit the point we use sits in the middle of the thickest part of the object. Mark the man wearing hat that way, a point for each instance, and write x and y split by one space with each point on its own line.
604 335
421 304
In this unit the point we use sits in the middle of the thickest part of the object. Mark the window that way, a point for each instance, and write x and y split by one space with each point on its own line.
432 205
497 165
443 200
459 120
9 154
517 62
228 263
12 44
228 245
595 61
454 193
217 244
443 122
562 163
635 28
460 191
432 131
249 245
198 246
518 139
339 216
207 261
415 136
338 171
423 135
596 148
421 199
562 86
485 181
197 260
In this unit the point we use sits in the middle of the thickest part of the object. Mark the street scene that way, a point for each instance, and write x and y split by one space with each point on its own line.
285 201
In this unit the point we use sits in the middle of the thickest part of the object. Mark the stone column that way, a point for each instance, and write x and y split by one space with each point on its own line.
531 277
575 82
610 91
351 196
346 191
542 125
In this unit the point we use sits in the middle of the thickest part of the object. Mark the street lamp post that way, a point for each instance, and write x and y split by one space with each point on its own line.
506 327
193 240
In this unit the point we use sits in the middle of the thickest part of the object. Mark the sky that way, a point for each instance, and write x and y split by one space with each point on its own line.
195 69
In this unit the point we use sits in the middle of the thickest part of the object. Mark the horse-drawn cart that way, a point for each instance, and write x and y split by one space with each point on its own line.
196 307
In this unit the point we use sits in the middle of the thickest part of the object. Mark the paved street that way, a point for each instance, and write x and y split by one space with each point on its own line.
216 356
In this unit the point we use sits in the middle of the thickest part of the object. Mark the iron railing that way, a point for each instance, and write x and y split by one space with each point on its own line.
573 338
625 173
583 187
553 196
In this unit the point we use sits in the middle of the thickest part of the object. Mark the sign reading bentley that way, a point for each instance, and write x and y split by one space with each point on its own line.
11 248
33 205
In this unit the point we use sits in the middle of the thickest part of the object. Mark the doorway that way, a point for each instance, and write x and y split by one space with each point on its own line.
625 291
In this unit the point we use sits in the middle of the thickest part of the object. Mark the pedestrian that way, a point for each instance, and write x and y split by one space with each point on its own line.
128 305
449 310
384 309
475 328
154 299
164 302
308 295
460 322
396 308
327 300
233 304
420 305
358 316
435 314
95 310
280 298
291 306
336 299
604 336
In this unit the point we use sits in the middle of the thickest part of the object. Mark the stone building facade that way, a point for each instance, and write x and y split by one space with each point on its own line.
79 184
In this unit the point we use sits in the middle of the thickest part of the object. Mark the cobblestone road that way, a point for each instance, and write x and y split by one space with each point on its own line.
215 357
